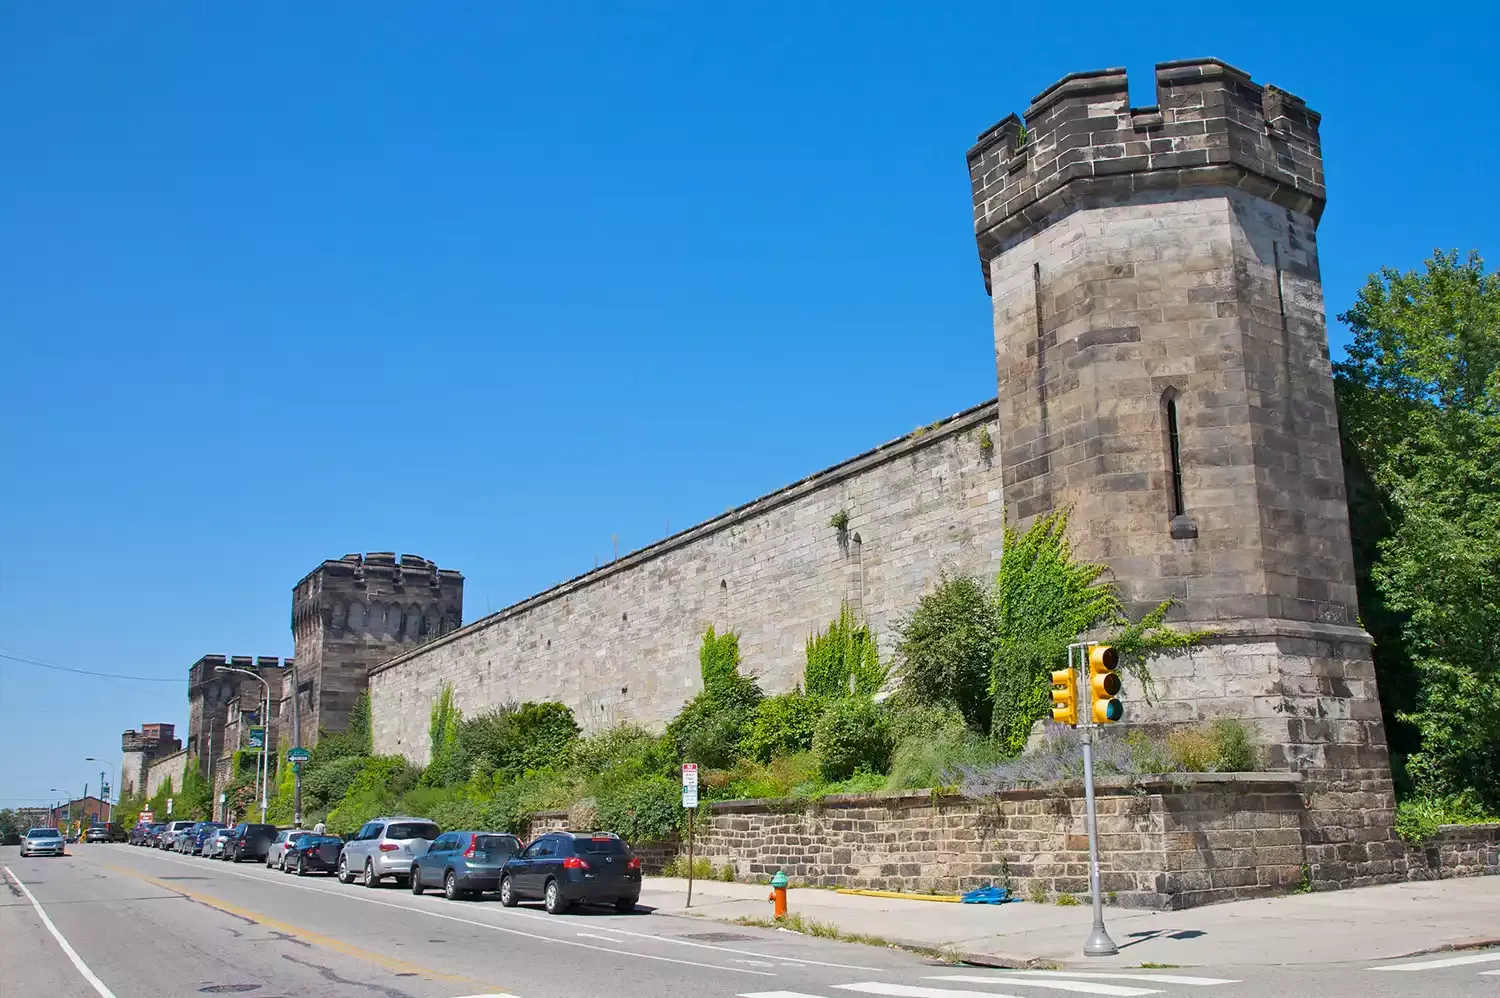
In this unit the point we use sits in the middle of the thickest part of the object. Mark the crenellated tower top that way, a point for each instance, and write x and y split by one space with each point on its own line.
1081 143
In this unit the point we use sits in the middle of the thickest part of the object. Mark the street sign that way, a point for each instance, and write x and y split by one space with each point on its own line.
258 738
222 796
169 807
690 784
147 817
298 755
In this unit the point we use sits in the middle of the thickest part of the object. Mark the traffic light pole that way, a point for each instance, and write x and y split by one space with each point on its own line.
1098 942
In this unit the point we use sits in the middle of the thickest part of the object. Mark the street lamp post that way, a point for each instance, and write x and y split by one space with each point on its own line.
265 723
109 808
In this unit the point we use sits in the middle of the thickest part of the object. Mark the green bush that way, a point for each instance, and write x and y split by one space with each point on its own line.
621 754
381 782
325 783
1233 749
751 780
644 810
851 736
937 759
945 650
1418 818
843 660
712 724
783 725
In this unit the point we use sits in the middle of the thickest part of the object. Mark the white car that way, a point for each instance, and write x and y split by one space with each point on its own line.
276 855
43 842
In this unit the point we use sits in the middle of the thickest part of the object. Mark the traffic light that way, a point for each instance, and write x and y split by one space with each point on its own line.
1065 697
1104 685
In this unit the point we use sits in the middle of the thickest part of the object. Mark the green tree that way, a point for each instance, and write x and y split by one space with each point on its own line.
1419 404
946 647
10 827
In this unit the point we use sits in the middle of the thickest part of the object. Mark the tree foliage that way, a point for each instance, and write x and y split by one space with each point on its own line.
945 649
1419 402
712 724
843 659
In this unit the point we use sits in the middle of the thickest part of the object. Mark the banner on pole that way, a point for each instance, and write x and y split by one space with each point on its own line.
258 738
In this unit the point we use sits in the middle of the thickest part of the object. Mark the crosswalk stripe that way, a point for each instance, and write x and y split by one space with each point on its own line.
915 991
1489 973
1452 961
1200 982
777 994
1083 987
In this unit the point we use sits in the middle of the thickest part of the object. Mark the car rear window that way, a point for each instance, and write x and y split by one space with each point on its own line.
599 847
412 830
261 830
499 843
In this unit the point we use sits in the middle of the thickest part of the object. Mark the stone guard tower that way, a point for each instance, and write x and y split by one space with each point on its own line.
1163 371
359 611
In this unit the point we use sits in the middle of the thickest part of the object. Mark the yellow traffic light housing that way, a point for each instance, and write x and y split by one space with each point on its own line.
1065 697
1104 685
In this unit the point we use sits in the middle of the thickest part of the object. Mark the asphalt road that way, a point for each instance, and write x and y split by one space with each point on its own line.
114 920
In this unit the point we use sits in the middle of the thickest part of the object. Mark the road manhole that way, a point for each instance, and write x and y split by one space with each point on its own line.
720 937
224 989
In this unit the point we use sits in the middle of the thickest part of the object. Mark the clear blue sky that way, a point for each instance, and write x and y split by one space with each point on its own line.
283 281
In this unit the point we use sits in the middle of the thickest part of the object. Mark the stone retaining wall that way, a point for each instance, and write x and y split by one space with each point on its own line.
1167 843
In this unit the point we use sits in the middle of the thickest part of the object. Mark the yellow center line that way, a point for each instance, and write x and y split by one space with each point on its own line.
308 935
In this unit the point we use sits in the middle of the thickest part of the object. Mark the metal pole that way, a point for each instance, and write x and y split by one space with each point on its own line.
1098 943
296 743
265 752
690 857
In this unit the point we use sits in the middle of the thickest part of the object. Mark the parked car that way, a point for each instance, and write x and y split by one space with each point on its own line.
385 847
143 834
276 853
213 843
186 840
249 841
167 835
96 833
203 832
464 863
566 869
43 842
309 853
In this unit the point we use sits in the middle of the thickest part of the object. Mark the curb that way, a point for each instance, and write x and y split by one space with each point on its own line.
1482 942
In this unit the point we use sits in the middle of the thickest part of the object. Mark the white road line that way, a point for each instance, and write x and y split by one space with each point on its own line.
1056 984
1452 961
915 991
83 968
550 920
1489 973
778 994
1201 982
490 925
608 939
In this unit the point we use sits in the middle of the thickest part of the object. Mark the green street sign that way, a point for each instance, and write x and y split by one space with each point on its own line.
298 755
258 738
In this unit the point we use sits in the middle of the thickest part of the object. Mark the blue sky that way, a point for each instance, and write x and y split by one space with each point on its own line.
493 284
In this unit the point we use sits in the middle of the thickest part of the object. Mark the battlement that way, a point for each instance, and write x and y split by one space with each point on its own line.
152 738
204 670
378 567
1082 143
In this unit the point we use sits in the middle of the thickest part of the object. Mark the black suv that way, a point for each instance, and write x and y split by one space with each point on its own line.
248 841
566 869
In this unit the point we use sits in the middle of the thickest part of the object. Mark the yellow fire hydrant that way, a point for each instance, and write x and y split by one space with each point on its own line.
778 893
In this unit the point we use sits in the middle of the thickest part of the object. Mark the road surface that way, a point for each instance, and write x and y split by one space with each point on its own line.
115 920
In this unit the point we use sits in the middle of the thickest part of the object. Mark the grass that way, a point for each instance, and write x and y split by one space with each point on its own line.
1037 894
1068 900
1159 966
794 922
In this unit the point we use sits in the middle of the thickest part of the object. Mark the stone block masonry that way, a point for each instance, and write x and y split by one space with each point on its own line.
621 643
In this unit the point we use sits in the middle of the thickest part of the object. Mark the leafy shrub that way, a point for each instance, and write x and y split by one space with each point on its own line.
712 724
783 725
516 738
354 740
644 810
751 780
1192 749
852 735
509 803
946 647
324 784
381 781
621 754
1418 818
843 660
939 759
1232 746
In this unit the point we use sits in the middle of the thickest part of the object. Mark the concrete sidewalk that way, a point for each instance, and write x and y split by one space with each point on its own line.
1364 924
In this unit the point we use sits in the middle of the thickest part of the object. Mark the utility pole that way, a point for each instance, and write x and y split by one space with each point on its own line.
297 744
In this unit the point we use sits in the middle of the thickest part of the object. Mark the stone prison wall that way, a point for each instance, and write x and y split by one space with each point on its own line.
621 643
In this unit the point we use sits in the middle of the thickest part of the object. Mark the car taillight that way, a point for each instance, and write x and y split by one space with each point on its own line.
388 847
469 852
574 863
634 863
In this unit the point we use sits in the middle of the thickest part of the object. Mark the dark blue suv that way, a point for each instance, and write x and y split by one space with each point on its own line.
463 863
566 869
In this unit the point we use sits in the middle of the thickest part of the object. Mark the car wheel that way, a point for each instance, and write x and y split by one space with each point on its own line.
508 893
416 880
344 877
370 879
554 899
625 905
450 888
301 867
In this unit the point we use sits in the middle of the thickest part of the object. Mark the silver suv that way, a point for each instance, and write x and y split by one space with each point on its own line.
385 847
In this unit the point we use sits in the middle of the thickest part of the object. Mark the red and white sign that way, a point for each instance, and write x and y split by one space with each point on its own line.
690 784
